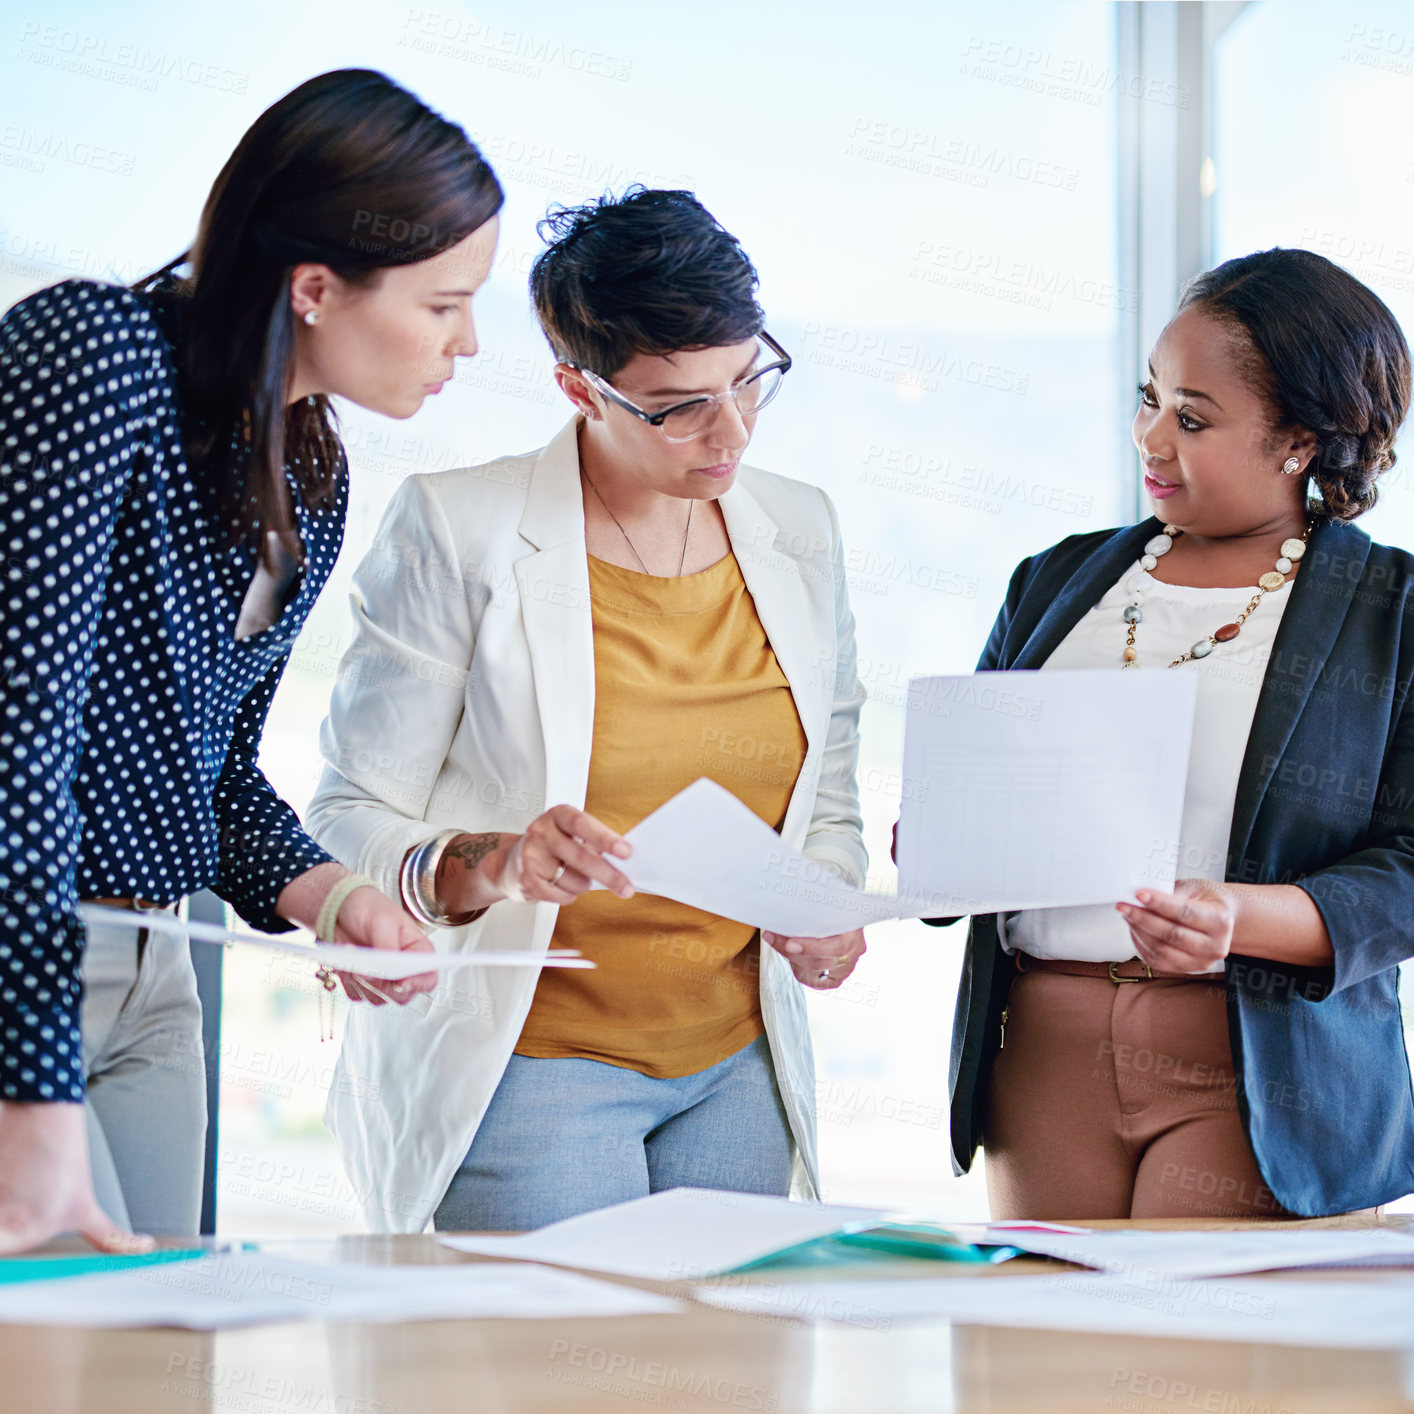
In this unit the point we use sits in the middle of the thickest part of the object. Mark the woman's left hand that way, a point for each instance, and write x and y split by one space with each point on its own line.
822 963
1187 930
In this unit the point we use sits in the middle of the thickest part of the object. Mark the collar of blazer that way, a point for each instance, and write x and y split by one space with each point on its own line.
1321 596
554 595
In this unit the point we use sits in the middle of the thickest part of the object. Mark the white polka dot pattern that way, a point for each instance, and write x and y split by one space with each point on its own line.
131 716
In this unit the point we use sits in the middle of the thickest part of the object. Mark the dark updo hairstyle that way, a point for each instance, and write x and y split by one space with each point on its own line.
649 272
1325 354
350 171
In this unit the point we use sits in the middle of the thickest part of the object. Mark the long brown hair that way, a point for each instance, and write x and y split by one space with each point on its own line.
348 170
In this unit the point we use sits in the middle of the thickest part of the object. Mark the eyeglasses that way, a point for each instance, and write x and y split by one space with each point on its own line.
684 421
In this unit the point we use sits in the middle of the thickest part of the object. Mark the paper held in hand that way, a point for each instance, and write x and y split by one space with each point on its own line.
1019 790
337 957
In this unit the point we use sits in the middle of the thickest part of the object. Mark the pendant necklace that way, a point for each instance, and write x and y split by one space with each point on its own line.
687 531
1291 551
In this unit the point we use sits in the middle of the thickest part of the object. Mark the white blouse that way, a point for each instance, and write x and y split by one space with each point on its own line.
1229 682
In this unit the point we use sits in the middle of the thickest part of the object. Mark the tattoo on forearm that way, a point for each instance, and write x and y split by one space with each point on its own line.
470 850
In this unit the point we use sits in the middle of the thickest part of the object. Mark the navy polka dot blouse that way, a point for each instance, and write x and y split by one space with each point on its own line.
132 716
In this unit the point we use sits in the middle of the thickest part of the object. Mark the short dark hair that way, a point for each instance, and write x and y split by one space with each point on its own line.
646 272
1325 354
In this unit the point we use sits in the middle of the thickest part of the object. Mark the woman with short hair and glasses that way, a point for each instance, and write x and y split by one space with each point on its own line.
595 626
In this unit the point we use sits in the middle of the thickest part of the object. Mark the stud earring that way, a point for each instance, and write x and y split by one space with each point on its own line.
311 316
1290 466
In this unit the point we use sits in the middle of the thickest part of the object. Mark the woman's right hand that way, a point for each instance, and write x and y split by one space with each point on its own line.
45 1183
367 919
531 870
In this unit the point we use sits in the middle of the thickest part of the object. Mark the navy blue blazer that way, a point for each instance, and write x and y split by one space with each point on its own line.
1325 801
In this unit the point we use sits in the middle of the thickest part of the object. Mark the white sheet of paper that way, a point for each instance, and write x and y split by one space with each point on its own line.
338 957
1043 789
249 1288
706 849
1139 1256
1366 1315
1021 790
677 1235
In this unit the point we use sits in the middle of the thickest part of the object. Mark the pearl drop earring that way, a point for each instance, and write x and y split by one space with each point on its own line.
311 316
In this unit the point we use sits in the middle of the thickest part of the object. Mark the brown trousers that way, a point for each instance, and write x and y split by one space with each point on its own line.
1118 1101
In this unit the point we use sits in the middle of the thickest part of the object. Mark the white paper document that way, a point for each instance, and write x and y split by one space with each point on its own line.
706 849
1140 1256
677 1235
1043 789
337 957
1020 790
1364 1315
250 1288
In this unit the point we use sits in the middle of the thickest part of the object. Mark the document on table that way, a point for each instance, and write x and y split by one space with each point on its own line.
676 1235
1020 790
690 1232
251 1288
1140 1256
1377 1314
337 957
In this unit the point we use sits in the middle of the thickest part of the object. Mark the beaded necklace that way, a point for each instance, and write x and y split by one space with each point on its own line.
1291 551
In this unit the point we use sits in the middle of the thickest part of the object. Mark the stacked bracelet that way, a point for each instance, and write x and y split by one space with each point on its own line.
327 922
417 883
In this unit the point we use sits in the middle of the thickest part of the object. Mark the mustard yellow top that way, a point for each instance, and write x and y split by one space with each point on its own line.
685 685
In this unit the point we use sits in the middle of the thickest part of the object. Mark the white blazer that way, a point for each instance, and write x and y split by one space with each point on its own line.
466 699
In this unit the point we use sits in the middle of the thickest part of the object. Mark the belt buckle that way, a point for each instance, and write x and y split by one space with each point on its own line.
1117 979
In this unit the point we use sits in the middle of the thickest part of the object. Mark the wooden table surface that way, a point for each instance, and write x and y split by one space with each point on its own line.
705 1360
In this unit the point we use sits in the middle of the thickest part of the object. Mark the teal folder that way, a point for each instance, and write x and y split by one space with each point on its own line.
15 1269
865 1244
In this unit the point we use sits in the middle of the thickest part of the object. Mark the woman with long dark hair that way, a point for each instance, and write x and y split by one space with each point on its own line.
1232 1047
172 500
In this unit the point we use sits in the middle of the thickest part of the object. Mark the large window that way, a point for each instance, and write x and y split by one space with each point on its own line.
929 192
1312 112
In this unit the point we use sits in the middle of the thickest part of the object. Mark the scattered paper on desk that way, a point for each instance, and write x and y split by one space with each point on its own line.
337 957
243 1289
1376 1314
1021 790
676 1235
1138 1255
1043 789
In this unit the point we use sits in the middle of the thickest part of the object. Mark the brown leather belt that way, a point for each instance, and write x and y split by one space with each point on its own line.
1131 970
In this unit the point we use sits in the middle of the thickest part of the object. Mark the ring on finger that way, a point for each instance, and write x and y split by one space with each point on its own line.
558 875
823 975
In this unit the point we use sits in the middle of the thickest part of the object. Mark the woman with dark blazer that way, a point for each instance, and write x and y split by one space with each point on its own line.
1234 1047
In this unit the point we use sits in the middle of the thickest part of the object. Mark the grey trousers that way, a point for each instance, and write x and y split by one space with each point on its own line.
146 1104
